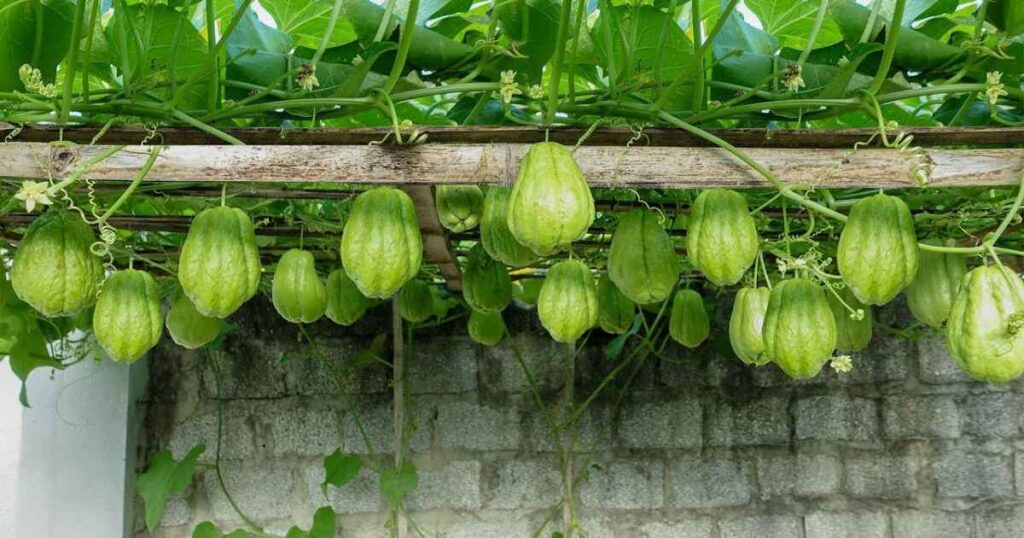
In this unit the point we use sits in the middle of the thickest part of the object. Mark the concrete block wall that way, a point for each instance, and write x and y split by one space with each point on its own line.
696 446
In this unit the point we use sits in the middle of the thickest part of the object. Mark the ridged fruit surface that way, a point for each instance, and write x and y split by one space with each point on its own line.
722 238
53 269
931 294
495 236
298 293
526 292
688 323
486 285
415 303
642 261
746 325
187 327
127 320
615 312
486 329
985 331
799 328
878 253
551 205
459 207
381 247
219 268
345 303
567 305
851 334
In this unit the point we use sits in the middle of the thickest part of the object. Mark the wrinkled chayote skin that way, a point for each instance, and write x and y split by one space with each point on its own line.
219 268
416 303
930 296
851 334
297 291
345 303
615 312
187 327
486 329
722 238
551 205
495 236
54 271
381 248
878 252
799 328
567 305
486 285
127 320
642 261
688 323
985 330
459 207
747 323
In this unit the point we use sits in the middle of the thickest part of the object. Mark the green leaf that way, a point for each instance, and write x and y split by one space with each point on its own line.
323 525
396 484
793 20
429 49
533 26
914 50
614 348
737 34
340 469
840 85
164 477
156 47
306 21
353 83
18 23
13 326
918 9
28 353
208 530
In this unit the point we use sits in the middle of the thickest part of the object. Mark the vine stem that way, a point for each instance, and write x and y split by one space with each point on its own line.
398 369
892 35
404 44
81 170
211 58
139 176
815 30
213 90
698 57
556 62
568 504
72 60
335 11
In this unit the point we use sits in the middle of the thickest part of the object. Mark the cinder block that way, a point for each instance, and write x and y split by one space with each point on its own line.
837 417
968 474
876 475
993 415
1003 523
921 524
378 422
694 528
452 486
302 429
501 371
714 483
443 366
920 417
761 527
935 365
525 484
257 489
752 422
237 441
465 425
361 495
252 370
846 525
624 485
887 359
671 424
592 432
803 475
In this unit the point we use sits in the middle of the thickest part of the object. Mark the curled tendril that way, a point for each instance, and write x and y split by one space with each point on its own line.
14 133
637 135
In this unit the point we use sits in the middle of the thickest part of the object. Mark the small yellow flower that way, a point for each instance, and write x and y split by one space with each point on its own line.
842 364
996 88
306 77
32 193
793 78
536 91
509 88
33 80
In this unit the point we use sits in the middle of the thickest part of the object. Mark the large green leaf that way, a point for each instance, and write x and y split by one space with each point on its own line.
533 26
792 21
18 40
306 21
209 530
157 47
636 48
396 484
340 469
323 525
919 9
429 49
914 50
164 477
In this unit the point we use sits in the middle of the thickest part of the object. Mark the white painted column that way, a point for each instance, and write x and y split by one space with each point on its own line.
78 447
10 446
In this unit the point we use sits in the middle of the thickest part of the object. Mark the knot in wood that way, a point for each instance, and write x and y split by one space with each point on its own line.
62 160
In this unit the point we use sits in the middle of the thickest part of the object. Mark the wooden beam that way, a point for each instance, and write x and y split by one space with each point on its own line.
612 136
436 247
432 164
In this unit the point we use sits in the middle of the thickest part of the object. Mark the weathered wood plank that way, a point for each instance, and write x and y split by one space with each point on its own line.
642 167
436 247
611 136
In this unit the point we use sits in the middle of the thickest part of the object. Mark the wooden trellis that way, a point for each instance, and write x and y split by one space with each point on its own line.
655 158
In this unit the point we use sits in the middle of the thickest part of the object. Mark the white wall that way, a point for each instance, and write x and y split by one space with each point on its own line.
10 444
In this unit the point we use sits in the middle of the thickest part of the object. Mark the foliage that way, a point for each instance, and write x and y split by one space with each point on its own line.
164 477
